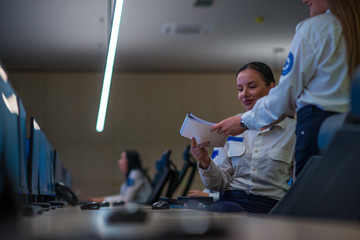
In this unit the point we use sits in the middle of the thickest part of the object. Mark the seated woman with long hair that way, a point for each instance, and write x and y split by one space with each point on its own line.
137 186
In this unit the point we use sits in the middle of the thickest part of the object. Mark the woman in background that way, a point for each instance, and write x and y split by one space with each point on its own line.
137 186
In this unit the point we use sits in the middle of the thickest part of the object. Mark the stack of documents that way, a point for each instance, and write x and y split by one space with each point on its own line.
200 130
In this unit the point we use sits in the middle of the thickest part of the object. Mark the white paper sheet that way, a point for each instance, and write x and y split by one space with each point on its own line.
200 129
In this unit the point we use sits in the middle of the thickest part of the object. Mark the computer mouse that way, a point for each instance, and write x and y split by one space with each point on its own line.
128 215
91 206
118 203
104 204
160 205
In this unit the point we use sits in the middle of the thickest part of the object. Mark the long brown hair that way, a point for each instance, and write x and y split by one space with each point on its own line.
348 13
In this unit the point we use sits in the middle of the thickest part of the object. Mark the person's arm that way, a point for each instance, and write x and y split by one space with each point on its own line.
298 71
229 126
113 198
96 199
197 193
214 177
211 193
133 185
200 153
205 193
116 197
214 195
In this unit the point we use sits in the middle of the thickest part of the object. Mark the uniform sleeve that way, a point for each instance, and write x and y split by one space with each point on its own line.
298 70
219 173
215 195
116 197
130 188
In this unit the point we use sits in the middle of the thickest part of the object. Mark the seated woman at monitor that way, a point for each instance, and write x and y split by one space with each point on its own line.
253 172
137 186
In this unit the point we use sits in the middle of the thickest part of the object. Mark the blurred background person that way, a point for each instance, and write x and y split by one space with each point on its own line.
137 185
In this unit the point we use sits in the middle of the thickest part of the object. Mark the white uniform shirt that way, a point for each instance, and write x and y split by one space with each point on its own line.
136 189
257 162
214 194
315 73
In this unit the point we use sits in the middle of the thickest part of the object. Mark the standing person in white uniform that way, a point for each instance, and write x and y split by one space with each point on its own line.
137 186
252 170
315 80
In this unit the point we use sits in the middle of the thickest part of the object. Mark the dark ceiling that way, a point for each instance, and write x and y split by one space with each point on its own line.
154 34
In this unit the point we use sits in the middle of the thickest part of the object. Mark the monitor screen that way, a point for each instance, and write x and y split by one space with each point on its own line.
67 178
50 170
23 149
2 87
33 161
44 165
11 134
58 168
41 162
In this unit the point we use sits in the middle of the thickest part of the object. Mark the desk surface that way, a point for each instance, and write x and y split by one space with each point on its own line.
74 223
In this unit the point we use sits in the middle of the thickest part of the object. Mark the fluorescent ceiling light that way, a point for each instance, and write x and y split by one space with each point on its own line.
114 34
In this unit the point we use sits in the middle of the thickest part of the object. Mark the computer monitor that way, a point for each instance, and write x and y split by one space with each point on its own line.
14 148
44 165
58 168
3 78
23 149
13 130
33 163
68 181
50 171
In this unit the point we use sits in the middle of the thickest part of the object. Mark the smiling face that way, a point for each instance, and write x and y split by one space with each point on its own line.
316 7
251 86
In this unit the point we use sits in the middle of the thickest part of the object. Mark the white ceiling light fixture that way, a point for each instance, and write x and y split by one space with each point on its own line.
114 34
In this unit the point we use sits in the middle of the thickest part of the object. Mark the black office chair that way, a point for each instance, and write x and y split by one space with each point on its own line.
190 163
176 177
328 186
161 177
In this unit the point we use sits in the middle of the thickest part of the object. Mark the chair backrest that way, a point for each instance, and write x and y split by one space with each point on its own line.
178 176
161 165
191 164
161 177
329 128
173 180
187 163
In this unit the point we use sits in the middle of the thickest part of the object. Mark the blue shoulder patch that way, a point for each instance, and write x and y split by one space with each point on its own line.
288 64
235 139
130 182
214 154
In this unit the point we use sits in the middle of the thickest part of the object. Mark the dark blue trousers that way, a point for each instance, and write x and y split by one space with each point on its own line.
309 120
239 201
